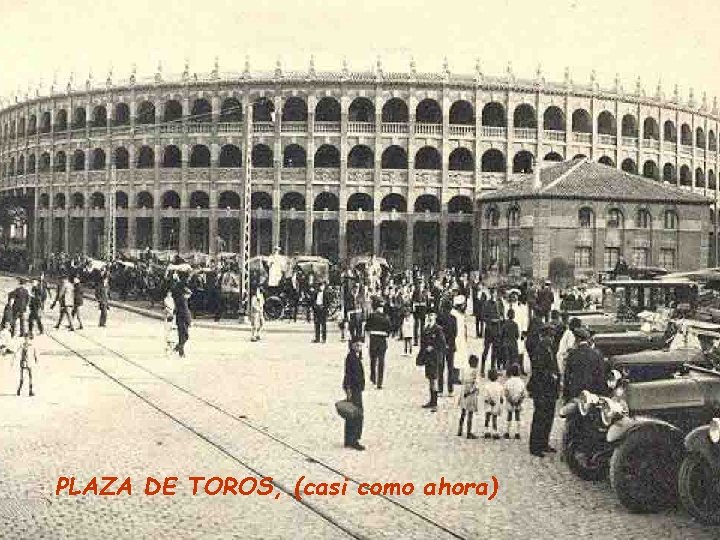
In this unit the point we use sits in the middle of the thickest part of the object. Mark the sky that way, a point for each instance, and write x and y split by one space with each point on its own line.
673 40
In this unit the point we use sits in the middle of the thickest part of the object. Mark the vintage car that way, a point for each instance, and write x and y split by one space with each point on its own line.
699 475
646 424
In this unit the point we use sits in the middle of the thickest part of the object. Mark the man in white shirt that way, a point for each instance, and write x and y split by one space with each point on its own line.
567 342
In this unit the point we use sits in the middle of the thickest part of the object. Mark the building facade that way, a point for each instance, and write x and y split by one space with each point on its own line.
338 163
586 216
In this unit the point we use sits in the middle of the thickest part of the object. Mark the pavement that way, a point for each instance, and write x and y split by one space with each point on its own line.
110 401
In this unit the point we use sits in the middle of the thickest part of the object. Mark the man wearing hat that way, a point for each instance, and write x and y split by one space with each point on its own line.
584 367
545 300
354 384
543 387
183 318
378 327
21 301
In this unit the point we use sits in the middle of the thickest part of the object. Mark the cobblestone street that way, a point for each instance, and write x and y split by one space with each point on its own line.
109 402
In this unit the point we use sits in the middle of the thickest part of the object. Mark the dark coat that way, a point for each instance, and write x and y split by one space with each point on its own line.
378 322
545 299
433 347
182 310
354 378
325 300
544 383
584 370
449 327
102 294
21 299
78 299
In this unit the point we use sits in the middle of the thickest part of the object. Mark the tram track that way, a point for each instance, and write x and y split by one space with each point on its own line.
326 510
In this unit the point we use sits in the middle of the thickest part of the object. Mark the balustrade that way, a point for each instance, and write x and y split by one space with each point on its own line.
428 129
554 135
582 137
494 132
394 127
293 127
527 134
361 127
460 130
327 127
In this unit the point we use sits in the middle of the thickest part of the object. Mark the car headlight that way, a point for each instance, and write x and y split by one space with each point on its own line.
714 430
586 400
611 410
613 379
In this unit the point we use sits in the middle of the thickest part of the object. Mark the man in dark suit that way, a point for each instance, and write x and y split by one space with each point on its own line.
36 307
320 305
543 387
493 315
378 327
182 317
354 385
102 295
584 368
449 327
21 302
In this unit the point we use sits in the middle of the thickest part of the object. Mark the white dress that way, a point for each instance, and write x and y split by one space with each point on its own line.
468 398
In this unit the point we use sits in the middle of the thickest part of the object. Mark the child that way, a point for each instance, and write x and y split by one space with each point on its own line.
25 353
493 401
407 332
468 399
514 396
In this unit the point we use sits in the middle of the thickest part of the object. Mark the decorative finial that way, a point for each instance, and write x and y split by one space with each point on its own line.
108 81
704 103
54 82
593 79
70 82
311 67
538 72
659 94
676 94
618 84
446 66
509 72
158 73
89 80
216 68
567 79
133 75
186 71
246 71
378 66
691 98
413 67
345 69
278 68
478 70
715 106
638 87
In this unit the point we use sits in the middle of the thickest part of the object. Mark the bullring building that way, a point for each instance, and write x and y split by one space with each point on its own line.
339 163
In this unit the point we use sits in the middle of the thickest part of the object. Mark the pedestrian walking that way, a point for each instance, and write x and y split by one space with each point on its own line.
448 323
78 302
378 328
35 308
102 295
257 314
354 385
20 307
432 350
320 305
543 388
407 332
183 318
169 327
420 302
493 397
514 391
509 336
64 299
468 398
25 353
479 301
493 320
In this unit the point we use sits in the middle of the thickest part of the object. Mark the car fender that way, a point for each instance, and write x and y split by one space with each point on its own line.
569 409
626 425
697 441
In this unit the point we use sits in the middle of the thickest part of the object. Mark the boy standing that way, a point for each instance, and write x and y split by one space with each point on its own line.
26 351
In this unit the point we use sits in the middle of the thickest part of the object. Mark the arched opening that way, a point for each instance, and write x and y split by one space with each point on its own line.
361 157
231 110
669 131
146 158
145 113
581 122
525 116
199 199
60 162
327 157
553 156
460 204
554 119
172 157
294 110
606 160
427 203
394 157
651 170
651 130
685 176
395 110
31 164
629 166
78 200
21 166
45 123
201 111
78 160
712 141
262 156
462 113
461 159
230 157
607 124
122 158
122 115
326 201
263 110
615 219
294 157
360 201
173 111
121 200
700 138
99 117
523 162
144 200
44 162
711 183
97 200
327 110
493 161
59 201
686 135
699 178
669 173
61 120
428 112
293 201
79 118
586 218
629 126
98 159
170 199
393 201
32 125
229 200
199 156
493 115
44 201
361 110
428 158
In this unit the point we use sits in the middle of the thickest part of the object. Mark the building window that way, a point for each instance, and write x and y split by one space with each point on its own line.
614 218
493 217
641 257
643 219
585 217
514 217
583 257
667 258
670 220
612 256
493 252
514 258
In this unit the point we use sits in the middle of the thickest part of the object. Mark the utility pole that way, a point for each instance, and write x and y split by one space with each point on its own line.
110 225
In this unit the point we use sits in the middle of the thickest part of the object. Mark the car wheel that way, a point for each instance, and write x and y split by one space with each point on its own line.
699 489
643 471
581 461
273 308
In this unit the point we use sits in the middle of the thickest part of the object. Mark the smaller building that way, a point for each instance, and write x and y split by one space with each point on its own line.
585 216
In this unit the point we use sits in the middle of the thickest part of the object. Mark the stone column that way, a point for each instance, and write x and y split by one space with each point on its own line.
343 192
184 201
409 240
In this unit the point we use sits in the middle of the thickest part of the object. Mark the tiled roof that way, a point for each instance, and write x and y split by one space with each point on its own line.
584 179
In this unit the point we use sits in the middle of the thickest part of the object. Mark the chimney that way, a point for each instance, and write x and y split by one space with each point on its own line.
537 184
